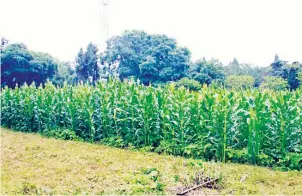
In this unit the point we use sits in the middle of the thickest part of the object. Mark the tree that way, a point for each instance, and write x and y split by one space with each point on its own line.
290 73
150 58
258 73
277 67
66 73
19 65
240 69
286 71
239 82
206 71
87 64
276 58
3 43
233 68
276 83
45 65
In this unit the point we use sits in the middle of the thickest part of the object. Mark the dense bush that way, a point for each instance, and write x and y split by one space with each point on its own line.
255 126
64 134
190 84
276 83
239 82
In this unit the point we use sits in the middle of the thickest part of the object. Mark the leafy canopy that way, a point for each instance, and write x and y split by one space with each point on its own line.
287 71
87 64
150 58
205 71
66 74
20 65
240 69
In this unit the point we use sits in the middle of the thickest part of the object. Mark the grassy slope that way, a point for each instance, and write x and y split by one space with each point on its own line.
31 164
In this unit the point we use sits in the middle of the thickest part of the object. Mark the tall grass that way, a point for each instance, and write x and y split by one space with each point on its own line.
256 126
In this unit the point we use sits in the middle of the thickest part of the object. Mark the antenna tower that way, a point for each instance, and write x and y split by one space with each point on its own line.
104 22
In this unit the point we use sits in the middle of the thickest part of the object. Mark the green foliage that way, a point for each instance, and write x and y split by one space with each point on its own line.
206 71
65 74
64 134
300 78
254 125
86 64
194 150
239 82
190 84
155 176
288 72
150 58
265 160
115 141
293 161
238 156
101 170
234 68
276 83
258 73
217 83
28 188
19 66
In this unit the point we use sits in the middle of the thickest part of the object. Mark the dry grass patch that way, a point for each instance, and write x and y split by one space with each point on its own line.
31 164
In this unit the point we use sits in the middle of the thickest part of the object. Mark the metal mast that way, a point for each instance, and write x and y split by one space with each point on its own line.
104 22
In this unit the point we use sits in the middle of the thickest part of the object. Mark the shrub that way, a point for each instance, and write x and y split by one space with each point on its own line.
114 141
190 84
239 82
275 83
238 156
293 161
64 134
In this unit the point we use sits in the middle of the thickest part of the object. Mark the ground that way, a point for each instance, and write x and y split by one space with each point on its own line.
31 164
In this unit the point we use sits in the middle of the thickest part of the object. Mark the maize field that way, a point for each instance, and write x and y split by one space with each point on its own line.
254 126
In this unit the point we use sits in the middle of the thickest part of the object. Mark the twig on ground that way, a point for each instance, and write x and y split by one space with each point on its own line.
197 186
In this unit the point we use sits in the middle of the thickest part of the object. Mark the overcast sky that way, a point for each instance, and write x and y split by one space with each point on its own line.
253 31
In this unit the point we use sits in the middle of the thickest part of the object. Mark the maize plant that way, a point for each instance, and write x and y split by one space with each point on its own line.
220 124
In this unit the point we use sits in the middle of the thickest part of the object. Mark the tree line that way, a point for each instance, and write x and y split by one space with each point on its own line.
155 59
